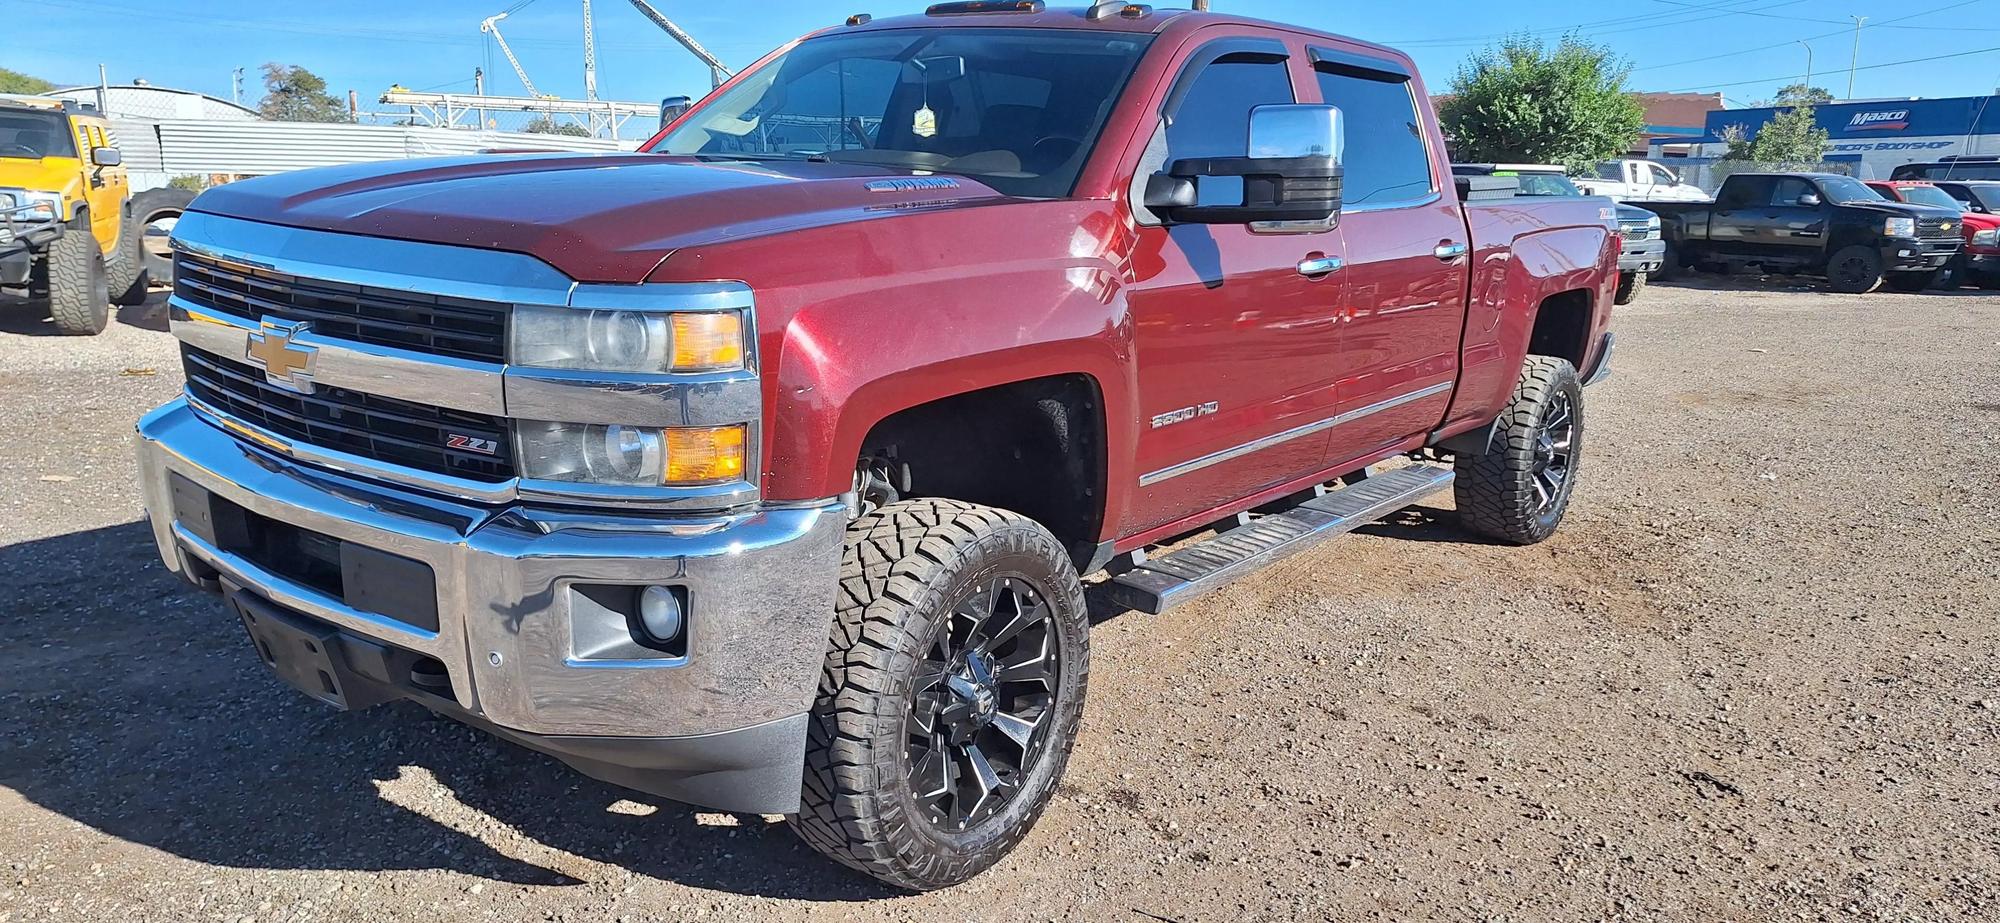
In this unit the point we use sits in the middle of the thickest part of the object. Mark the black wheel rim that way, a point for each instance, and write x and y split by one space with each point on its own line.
1853 270
984 698
1555 440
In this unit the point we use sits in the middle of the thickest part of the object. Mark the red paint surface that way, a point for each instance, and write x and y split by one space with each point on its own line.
869 303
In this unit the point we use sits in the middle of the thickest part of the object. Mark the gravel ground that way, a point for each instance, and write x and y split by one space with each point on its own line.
1753 678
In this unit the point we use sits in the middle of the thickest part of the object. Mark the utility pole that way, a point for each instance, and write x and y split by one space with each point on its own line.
1201 6
1809 62
590 65
479 90
236 86
1855 56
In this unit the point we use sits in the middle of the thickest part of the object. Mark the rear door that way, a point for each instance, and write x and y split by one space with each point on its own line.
1406 251
1736 222
1235 347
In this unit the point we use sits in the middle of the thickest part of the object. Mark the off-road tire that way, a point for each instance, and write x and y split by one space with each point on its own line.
1495 490
1916 281
905 568
125 269
1630 284
70 276
1855 270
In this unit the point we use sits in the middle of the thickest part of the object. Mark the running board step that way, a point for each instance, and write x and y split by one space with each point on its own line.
1172 579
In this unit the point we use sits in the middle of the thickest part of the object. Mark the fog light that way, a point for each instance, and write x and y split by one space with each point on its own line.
660 613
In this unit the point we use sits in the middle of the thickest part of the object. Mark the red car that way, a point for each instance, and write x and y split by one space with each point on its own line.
1979 263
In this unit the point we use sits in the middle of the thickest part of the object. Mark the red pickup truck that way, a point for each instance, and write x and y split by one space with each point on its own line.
761 469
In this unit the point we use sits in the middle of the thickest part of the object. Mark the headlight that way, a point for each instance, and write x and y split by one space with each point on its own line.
1900 227
633 456
626 341
1987 238
1653 223
38 206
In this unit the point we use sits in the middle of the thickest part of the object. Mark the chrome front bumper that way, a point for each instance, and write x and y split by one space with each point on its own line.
760 587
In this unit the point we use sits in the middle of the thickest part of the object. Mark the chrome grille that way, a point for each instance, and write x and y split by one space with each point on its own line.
456 327
1636 231
367 425
1935 227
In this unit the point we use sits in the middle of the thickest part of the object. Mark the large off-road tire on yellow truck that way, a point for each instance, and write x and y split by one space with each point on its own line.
71 279
951 693
125 267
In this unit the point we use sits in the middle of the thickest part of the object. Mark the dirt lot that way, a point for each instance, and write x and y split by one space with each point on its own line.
1755 677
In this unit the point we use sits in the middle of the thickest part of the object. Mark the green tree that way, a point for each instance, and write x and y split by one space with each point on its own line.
1523 102
1790 136
294 94
546 126
16 82
1798 94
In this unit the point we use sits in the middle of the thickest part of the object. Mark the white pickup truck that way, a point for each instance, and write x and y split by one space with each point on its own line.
1639 181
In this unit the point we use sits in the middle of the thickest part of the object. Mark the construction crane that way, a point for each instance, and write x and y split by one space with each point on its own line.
717 71
491 24
589 55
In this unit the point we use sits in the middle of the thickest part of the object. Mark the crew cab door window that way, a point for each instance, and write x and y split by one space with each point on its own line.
1213 119
1386 160
1788 190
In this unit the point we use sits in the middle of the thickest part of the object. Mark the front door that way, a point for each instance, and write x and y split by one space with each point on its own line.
1787 228
1407 255
1235 347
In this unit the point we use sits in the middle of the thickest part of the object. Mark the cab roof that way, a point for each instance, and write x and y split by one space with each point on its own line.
19 101
1148 20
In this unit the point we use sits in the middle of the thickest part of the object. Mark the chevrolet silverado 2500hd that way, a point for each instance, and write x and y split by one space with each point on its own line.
758 469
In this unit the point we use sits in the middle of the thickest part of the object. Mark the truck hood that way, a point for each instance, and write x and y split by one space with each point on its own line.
1904 209
596 218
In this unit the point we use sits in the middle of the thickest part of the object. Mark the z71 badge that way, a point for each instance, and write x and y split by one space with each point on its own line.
471 443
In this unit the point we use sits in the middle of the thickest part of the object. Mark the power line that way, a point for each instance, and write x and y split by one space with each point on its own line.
1887 23
1870 67
1651 20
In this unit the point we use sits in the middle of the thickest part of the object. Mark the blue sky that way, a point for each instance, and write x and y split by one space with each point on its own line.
368 44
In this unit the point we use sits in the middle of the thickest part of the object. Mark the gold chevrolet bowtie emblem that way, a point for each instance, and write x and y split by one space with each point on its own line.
286 364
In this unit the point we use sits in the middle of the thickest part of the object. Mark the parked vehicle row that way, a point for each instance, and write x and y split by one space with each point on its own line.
1978 204
1642 250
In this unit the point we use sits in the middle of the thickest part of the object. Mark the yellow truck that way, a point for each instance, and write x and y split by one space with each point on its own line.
68 240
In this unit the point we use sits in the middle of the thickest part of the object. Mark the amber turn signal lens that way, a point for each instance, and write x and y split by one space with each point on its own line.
707 342
705 454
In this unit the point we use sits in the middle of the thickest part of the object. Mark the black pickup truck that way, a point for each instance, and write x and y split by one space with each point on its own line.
1812 224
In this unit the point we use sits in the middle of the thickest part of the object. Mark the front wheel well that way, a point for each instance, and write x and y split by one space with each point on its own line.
1035 447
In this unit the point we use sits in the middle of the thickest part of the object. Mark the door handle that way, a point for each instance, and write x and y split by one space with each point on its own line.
1316 266
1449 251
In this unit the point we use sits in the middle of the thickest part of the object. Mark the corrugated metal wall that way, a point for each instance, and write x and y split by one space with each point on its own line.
201 147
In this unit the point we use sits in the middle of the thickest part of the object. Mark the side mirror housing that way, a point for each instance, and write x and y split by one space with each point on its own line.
1291 172
674 107
1809 200
106 157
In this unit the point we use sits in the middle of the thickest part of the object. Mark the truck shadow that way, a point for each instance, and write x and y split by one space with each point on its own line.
20 316
133 706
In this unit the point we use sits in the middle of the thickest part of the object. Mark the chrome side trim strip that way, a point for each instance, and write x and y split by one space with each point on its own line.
460 384
1238 451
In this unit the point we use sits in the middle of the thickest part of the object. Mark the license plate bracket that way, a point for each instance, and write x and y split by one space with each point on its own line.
308 655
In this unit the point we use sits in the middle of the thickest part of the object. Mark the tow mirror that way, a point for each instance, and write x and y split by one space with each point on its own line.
674 107
106 157
1809 200
1291 173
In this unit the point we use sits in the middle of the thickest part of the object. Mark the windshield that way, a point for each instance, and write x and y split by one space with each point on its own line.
1841 190
1545 184
1930 195
1018 109
34 135
1987 195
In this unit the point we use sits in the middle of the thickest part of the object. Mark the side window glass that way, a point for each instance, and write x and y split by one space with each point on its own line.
1386 160
1743 193
1611 170
1214 117
1788 191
